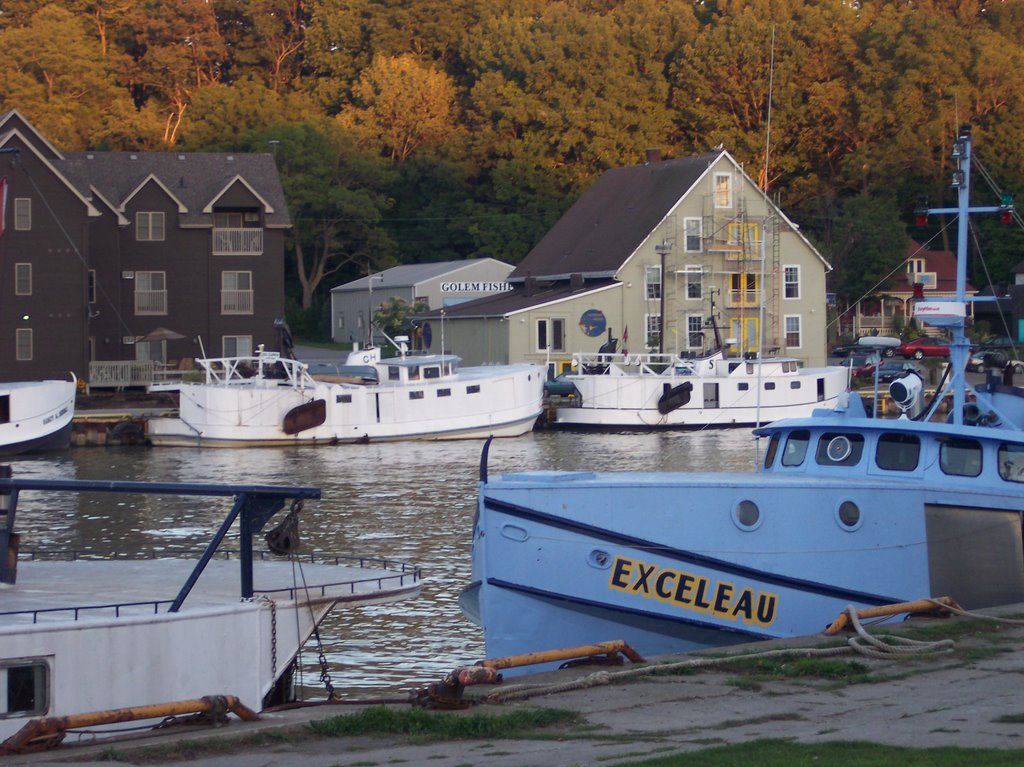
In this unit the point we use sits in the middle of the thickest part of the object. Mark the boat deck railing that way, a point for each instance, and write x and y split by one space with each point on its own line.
265 366
653 364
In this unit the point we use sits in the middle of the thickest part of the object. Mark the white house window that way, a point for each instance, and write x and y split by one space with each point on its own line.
551 333
915 265
694 331
23 342
652 335
149 226
22 213
694 282
793 331
150 292
652 278
236 295
723 190
791 281
237 346
693 229
151 351
23 279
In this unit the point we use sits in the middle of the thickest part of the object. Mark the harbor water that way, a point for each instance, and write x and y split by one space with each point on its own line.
410 501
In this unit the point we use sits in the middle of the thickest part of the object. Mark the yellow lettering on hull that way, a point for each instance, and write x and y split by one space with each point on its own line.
689 591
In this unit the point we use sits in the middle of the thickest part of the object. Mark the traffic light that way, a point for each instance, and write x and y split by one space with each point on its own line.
1006 214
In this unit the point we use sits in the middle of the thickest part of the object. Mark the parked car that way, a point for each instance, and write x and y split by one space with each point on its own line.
845 350
923 347
890 370
860 364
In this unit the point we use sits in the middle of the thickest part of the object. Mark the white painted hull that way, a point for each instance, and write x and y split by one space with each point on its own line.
38 416
625 401
503 401
216 644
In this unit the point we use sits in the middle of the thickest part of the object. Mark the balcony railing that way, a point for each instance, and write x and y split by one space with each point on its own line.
237 242
740 299
236 302
151 302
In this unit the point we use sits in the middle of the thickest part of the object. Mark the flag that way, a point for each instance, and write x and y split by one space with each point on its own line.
3 204
625 340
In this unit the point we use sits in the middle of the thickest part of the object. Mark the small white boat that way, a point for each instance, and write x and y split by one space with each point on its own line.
85 632
36 416
268 399
663 390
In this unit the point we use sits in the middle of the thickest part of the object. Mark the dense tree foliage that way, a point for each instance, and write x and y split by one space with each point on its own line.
424 130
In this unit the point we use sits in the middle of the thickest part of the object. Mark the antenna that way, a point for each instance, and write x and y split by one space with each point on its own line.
768 129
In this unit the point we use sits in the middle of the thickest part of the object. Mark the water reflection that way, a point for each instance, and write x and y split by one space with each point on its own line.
411 501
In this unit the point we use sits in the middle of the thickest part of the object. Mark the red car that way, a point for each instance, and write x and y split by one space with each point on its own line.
923 347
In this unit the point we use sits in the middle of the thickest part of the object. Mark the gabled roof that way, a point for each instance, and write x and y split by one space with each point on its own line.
12 119
942 262
411 275
15 134
195 180
518 300
612 218
267 207
123 204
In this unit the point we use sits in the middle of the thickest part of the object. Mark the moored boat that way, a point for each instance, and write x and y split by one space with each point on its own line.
87 632
269 399
36 416
668 391
843 510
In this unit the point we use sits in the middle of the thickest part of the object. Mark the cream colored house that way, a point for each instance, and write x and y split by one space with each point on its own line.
658 256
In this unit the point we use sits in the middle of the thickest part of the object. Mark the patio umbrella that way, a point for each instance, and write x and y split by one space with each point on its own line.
161 334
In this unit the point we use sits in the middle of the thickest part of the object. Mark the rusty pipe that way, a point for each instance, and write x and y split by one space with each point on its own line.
917 606
568 653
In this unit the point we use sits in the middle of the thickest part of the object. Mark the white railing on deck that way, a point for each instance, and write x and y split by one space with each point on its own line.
237 242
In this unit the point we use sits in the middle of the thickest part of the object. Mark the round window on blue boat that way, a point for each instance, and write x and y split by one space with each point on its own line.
746 515
848 515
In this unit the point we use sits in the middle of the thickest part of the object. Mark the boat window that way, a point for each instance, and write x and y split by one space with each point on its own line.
733 366
960 457
773 449
747 516
342 398
898 452
393 372
743 386
431 372
414 373
839 449
796 448
848 515
474 389
1011 462
26 688
444 392
750 368
769 385
794 384
5 408
415 395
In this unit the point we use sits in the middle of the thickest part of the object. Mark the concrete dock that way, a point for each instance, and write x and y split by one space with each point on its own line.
970 697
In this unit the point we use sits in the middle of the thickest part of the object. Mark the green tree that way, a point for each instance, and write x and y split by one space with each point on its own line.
56 74
336 198
393 316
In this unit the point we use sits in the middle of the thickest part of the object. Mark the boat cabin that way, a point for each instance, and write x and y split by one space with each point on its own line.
403 370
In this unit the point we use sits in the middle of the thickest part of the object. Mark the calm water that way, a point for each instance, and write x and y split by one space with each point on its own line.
409 501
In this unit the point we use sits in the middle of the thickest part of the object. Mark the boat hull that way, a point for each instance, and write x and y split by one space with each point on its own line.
37 416
664 563
500 402
637 401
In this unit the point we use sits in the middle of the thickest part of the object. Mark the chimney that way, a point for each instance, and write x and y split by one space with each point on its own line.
653 155
531 285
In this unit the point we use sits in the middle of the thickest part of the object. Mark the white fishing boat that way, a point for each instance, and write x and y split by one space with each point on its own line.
269 399
844 509
84 633
668 391
35 416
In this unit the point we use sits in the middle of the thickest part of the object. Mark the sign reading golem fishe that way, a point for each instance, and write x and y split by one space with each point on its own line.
475 287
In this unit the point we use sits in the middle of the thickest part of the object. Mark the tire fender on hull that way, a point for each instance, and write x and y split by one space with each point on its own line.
675 398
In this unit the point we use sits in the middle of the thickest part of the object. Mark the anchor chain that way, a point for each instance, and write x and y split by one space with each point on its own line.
325 673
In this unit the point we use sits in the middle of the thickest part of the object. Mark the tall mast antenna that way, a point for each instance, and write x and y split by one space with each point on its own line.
768 130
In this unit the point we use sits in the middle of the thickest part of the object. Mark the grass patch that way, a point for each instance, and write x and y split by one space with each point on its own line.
767 669
1009 719
190 750
951 628
781 753
380 720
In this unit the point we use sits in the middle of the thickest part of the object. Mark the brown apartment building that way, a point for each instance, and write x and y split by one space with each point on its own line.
109 256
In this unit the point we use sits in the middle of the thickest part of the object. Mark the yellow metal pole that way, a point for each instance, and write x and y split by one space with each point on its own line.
547 656
917 606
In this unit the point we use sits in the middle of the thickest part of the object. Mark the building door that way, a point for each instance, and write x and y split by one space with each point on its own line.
745 331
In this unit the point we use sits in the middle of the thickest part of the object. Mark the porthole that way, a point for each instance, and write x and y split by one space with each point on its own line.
746 515
849 516
839 448
602 560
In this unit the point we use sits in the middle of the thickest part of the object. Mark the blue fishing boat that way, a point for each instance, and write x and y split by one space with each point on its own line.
844 509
